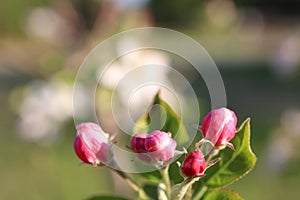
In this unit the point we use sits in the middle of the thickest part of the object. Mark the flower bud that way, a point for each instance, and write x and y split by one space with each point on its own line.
91 143
194 164
137 144
160 145
219 126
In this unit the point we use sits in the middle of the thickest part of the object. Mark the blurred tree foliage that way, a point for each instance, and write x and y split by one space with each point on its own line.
176 12
12 11
290 7
87 10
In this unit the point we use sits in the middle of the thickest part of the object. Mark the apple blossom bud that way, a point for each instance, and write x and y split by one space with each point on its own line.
219 126
160 145
137 144
194 164
91 143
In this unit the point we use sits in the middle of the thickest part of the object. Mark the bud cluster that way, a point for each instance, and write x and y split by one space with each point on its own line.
92 146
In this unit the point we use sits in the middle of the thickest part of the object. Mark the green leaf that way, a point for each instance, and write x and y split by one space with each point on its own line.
234 164
104 197
221 194
162 117
151 190
141 126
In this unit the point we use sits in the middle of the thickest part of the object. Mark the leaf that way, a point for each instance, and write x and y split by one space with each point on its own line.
151 190
234 164
141 126
221 194
104 197
162 116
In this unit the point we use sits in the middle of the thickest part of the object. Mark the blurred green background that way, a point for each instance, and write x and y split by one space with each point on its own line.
255 44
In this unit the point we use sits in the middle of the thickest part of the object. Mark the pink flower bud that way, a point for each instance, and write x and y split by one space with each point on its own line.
137 144
157 146
160 145
91 143
194 164
219 126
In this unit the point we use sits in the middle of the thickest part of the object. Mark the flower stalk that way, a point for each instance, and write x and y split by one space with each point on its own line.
180 190
166 179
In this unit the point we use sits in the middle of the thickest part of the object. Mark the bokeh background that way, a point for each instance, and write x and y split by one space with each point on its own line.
255 44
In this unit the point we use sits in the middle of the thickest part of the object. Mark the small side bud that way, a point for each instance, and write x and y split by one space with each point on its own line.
194 164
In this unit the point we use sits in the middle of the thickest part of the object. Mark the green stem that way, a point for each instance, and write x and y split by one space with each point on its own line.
211 154
166 179
180 191
189 192
200 192
209 157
